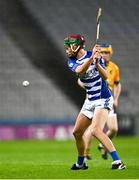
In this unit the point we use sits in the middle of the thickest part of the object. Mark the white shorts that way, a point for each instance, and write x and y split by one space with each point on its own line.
89 106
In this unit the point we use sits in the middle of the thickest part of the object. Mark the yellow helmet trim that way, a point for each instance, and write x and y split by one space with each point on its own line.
107 49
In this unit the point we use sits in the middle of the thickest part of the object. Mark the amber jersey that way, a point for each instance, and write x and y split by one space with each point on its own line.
113 74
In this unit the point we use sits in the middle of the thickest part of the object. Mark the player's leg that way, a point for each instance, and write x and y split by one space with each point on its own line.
112 126
100 116
88 138
82 123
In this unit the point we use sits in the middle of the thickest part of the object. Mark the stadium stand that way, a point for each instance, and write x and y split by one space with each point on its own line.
119 26
35 101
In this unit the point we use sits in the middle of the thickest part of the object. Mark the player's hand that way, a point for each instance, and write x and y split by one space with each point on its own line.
96 48
96 53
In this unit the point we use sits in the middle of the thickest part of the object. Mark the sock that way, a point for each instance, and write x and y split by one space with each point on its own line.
80 160
114 155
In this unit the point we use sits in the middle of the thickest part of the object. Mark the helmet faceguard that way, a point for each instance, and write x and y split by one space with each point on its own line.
106 48
74 42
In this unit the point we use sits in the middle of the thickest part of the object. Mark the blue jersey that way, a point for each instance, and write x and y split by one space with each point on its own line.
96 87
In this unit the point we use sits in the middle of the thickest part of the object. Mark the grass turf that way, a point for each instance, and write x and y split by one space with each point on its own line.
52 159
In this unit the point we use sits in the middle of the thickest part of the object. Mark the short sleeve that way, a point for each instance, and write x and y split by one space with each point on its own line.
72 65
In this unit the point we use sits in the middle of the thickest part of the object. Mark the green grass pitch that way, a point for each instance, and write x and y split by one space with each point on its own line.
51 159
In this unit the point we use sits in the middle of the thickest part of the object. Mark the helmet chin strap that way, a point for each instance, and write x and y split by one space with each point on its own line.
74 50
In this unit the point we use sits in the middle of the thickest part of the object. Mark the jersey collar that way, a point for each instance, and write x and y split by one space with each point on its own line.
82 56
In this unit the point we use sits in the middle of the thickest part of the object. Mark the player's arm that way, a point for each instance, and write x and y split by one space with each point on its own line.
81 70
117 91
102 71
99 65
80 83
117 87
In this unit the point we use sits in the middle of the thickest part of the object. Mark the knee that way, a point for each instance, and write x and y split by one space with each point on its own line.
77 134
114 130
95 131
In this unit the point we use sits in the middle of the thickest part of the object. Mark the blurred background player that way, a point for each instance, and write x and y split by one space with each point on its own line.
115 86
90 67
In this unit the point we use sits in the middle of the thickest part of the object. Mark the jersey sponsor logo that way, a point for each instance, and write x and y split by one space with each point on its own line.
92 73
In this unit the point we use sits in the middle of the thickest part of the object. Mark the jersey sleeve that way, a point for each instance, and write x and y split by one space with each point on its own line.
72 65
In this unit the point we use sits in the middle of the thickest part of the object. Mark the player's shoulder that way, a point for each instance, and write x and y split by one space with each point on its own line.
113 64
85 57
88 53
71 61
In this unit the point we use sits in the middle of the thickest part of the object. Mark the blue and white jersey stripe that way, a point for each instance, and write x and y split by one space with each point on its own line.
96 87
